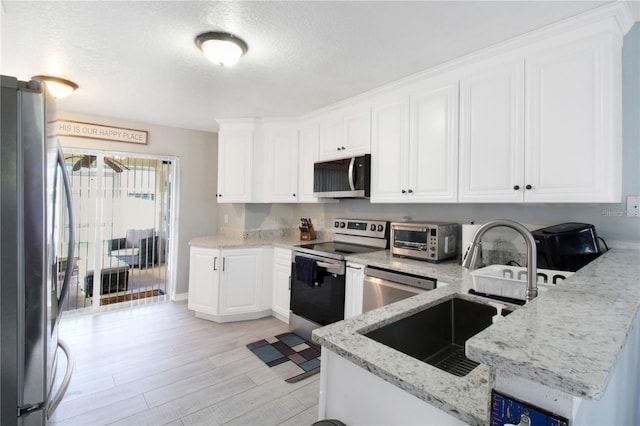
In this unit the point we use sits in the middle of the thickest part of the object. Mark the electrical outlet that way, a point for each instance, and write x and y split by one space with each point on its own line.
633 205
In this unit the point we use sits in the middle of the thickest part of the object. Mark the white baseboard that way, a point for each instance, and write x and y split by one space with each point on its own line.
180 296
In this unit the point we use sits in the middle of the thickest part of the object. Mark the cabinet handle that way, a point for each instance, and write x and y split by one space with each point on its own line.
528 187
352 267
516 187
223 259
215 260
410 191
289 282
403 191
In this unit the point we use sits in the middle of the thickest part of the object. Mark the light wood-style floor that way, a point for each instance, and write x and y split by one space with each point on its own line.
159 365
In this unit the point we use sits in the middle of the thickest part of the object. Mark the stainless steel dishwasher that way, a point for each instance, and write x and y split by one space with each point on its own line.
384 286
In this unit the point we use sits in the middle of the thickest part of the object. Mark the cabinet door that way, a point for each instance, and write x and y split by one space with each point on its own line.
353 291
281 282
241 281
280 163
346 132
331 143
433 144
573 151
492 134
235 153
357 130
389 144
309 149
204 280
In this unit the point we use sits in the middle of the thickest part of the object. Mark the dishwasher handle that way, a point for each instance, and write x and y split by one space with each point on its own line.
426 283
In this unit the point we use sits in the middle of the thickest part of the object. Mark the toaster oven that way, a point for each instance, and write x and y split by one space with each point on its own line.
433 242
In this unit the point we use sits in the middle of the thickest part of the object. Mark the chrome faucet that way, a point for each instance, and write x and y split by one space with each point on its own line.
475 249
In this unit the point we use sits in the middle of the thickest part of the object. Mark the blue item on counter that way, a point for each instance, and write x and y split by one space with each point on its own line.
508 410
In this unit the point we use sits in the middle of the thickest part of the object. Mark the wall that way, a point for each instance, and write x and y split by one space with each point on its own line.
198 154
609 219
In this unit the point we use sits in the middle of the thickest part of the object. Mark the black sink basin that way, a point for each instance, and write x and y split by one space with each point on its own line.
437 335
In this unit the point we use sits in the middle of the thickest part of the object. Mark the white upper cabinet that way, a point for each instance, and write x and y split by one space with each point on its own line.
389 148
280 162
235 162
433 143
536 119
573 142
346 132
308 152
492 133
414 147
544 128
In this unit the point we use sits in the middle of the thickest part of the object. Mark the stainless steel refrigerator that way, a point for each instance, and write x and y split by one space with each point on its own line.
34 277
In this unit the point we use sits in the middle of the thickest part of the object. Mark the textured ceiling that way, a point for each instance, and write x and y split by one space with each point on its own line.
138 60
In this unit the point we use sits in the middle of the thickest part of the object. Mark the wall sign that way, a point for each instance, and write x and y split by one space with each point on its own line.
98 131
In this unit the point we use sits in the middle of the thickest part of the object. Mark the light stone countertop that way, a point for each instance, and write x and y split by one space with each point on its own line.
220 241
568 338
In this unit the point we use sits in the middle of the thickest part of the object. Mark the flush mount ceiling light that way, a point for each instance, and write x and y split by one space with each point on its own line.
223 49
58 87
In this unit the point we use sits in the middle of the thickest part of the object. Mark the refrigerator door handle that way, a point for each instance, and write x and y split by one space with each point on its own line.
55 400
72 238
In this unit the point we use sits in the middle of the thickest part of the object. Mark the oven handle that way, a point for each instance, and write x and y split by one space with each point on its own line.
335 267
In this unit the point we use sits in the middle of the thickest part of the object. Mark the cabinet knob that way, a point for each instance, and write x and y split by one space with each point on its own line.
528 187
343 148
219 195
338 149
410 191
516 187
294 194
403 191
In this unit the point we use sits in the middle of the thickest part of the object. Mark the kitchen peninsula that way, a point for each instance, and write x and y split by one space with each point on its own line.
571 351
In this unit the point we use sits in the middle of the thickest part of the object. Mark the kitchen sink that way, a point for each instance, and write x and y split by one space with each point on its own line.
437 335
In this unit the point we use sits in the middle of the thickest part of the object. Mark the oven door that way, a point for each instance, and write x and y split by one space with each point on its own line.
320 300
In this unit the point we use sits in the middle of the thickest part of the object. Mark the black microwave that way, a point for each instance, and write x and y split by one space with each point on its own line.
344 178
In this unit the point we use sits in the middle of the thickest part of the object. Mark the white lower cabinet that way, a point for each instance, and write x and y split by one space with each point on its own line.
353 291
204 280
229 284
281 282
347 392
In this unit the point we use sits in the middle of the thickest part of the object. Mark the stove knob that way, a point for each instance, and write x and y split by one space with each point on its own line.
380 228
373 227
336 224
342 225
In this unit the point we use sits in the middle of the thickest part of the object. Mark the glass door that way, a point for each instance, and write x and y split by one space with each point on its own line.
124 202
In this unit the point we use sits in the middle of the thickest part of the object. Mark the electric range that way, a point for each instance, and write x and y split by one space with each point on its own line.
318 272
